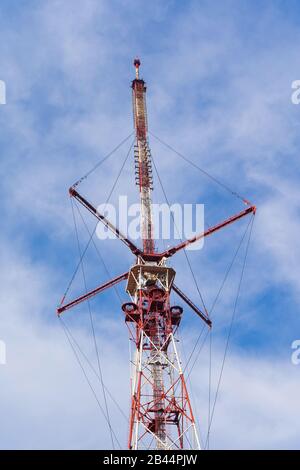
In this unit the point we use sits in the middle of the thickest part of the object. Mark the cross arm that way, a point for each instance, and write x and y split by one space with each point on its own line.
92 293
184 297
171 251
133 248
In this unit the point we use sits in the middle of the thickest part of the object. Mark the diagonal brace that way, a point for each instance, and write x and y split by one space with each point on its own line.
184 297
171 251
92 293
133 248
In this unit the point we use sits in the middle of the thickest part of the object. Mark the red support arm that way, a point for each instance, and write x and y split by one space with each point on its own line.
92 293
171 251
134 249
202 315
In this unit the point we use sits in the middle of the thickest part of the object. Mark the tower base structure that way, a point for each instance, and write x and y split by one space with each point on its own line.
161 415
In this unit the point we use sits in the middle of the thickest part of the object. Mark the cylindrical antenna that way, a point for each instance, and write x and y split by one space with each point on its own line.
137 64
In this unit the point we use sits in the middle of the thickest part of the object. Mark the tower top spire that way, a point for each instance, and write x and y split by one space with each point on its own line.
137 64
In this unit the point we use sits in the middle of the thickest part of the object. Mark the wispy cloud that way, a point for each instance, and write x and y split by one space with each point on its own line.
219 81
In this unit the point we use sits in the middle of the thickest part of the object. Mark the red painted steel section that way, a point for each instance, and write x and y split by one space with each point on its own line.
157 405
184 297
143 159
215 228
133 248
167 408
91 294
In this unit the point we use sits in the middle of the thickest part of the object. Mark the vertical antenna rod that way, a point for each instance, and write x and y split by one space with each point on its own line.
143 169
161 416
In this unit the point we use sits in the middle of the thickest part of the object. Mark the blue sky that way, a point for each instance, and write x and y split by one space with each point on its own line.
219 80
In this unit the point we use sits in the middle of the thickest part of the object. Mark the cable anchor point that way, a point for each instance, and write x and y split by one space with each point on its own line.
137 64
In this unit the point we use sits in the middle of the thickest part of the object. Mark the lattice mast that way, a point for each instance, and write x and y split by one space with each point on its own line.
161 412
142 156
161 415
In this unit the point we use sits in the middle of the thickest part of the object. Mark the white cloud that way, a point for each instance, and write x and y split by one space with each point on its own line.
227 107
257 407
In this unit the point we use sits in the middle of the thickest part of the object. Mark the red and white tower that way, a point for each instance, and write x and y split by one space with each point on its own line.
161 415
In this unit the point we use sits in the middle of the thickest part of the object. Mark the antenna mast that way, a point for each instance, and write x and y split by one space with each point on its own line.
161 415
161 412
143 170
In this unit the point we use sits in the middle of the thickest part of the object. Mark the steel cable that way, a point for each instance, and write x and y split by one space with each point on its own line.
185 253
86 377
216 299
94 370
93 232
230 329
101 161
213 178
93 330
